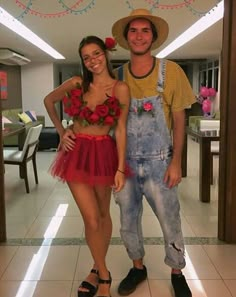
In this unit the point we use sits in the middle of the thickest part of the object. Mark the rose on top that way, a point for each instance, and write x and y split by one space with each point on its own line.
72 101
104 114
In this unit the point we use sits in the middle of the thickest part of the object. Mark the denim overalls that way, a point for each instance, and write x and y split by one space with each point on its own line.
149 150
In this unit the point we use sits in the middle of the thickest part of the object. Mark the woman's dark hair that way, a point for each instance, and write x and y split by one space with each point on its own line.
153 28
87 75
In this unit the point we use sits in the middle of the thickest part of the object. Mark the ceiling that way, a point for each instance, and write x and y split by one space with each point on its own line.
63 23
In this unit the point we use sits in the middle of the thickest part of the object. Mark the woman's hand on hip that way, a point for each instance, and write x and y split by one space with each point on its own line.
68 140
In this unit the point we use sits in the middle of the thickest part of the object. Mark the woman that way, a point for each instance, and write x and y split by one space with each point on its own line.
91 162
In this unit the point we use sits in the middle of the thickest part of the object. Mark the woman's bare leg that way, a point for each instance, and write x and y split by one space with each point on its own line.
104 197
94 206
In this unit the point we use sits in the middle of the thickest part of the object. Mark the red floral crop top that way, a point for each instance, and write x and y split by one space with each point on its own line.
106 113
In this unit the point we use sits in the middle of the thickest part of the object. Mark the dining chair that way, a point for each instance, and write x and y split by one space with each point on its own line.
64 123
212 125
70 122
28 153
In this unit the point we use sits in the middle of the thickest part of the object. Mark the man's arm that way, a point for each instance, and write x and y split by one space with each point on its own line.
174 172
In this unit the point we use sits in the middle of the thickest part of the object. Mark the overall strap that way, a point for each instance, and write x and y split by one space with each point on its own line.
161 75
120 73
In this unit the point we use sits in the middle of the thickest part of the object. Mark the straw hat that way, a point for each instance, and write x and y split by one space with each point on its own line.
160 24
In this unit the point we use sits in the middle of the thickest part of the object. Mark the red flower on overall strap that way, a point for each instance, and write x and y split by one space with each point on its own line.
144 107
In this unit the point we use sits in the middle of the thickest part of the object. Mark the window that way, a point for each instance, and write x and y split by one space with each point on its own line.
208 74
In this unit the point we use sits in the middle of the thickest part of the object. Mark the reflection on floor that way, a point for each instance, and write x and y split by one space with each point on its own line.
46 254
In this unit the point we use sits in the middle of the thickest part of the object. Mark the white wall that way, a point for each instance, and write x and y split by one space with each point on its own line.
216 103
37 81
195 82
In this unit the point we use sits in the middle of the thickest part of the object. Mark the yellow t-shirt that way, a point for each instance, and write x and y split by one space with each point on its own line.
177 94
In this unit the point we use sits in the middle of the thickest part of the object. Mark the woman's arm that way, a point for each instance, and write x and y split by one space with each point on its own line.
123 95
55 96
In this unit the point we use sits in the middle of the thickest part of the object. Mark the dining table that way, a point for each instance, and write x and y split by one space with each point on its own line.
13 130
204 139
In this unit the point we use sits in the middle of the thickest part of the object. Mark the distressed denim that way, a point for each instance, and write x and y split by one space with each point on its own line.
149 151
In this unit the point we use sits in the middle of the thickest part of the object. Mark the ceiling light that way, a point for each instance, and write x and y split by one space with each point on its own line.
213 16
13 24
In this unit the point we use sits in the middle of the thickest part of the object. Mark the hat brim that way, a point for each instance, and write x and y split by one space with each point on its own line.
159 23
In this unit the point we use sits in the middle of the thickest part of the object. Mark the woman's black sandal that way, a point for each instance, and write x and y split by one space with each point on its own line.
105 281
86 285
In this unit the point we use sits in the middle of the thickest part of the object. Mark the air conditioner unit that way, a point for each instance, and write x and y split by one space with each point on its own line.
9 57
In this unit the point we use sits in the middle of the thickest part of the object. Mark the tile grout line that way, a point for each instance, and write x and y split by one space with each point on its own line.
114 241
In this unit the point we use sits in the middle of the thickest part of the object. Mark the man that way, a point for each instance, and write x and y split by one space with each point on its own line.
160 92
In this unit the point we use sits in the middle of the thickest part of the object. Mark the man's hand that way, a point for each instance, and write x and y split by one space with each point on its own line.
173 174
119 181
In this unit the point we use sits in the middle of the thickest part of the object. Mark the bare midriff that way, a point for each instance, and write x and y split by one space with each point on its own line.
90 129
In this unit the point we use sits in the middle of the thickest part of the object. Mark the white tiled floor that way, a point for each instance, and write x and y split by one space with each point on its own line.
33 265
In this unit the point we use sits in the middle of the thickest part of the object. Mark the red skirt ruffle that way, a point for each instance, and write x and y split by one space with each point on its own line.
93 161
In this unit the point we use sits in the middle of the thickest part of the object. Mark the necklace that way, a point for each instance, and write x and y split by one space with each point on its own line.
147 74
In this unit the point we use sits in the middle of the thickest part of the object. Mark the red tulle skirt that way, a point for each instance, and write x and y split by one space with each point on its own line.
93 161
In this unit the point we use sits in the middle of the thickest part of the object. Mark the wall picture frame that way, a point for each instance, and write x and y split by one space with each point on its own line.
3 85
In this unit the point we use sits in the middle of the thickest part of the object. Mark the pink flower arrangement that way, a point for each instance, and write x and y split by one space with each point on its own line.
205 98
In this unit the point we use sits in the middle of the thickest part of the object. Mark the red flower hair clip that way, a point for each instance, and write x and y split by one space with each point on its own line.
110 44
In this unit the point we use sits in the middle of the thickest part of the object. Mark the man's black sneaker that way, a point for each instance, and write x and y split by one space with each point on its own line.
180 285
130 282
